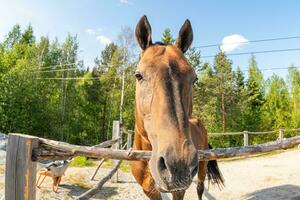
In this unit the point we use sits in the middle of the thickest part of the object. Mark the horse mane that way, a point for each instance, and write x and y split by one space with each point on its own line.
160 43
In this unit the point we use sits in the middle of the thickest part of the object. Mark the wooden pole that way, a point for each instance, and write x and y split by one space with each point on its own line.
129 139
96 171
93 191
246 138
280 137
54 150
20 171
115 135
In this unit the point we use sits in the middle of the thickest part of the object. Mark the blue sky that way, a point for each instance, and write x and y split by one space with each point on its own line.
97 22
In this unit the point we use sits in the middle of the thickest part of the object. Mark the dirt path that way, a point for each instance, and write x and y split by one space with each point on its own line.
266 177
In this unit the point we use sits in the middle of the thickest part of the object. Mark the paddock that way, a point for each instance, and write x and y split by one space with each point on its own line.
270 182
23 151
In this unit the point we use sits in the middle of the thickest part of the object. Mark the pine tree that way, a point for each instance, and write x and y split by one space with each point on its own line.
276 109
205 103
255 96
294 83
223 86
167 37
240 100
28 36
193 57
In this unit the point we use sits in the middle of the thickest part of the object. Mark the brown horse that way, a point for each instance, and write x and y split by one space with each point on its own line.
163 118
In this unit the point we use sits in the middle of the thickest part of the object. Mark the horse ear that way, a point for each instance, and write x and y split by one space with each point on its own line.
143 33
185 37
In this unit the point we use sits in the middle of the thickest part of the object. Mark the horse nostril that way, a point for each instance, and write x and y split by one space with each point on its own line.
162 164
164 170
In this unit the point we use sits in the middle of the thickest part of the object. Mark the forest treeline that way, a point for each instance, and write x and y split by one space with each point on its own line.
47 91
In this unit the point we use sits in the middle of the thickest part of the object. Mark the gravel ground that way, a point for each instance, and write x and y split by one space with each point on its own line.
271 177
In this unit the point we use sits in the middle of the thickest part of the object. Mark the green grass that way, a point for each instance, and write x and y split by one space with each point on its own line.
124 167
80 161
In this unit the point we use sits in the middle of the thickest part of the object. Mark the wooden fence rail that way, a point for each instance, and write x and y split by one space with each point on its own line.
23 151
247 133
53 150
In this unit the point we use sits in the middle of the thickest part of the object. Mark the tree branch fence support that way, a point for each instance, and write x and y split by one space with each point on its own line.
280 136
115 134
246 138
129 139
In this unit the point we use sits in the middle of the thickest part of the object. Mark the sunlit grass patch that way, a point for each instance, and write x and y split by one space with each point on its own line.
81 161
124 167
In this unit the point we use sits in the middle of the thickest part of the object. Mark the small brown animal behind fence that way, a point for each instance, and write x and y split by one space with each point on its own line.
23 151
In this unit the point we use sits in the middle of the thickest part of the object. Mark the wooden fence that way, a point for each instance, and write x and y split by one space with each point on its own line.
247 133
23 152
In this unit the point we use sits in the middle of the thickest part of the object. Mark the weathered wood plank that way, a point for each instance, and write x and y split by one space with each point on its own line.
223 134
107 143
246 138
129 139
115 135
280 136
93 191
96 171
241 133
11 165
49 149
20 169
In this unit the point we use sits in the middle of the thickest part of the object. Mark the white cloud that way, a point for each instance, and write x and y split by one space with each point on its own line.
233 42
102 29
103 39
125 2
90 31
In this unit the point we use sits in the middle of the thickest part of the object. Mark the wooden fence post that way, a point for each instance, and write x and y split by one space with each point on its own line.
20 173
129 139
115 135
246 138
280 136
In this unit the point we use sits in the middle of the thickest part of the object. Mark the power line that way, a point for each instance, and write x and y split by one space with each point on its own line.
251 41
97 78
68 64
69 78
271 69
55 70
256 52
60 65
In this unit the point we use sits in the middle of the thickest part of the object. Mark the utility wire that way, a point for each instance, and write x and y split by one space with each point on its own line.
68 64
60 65
251 41
69 78
272 69
55 70
97 78
255 52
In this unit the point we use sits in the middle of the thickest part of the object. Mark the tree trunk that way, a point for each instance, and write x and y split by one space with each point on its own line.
223 112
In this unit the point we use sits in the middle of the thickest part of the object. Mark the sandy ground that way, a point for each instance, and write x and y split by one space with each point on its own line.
269 177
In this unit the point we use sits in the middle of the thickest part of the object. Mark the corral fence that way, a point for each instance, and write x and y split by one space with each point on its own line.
23 152
247 133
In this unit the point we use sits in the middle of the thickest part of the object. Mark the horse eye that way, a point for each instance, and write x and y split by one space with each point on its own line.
138 76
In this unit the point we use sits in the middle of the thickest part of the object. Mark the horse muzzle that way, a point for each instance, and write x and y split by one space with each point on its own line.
172 173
